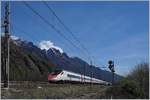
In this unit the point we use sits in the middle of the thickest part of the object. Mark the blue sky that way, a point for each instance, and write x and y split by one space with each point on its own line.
110 30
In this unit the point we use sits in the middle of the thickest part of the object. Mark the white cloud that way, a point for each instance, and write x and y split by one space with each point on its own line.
14 37
48 44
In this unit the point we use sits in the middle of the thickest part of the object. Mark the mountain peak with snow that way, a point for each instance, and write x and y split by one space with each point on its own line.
46 45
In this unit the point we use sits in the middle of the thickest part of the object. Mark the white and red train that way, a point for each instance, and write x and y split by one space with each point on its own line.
67 76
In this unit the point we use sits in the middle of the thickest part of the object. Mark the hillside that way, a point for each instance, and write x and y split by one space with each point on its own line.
26 65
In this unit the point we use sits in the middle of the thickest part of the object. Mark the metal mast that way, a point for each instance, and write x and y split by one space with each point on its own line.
6 26
111 67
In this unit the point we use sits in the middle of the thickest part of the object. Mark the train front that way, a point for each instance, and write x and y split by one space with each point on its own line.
53 76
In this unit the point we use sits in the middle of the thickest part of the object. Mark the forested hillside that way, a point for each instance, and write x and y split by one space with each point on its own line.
26 65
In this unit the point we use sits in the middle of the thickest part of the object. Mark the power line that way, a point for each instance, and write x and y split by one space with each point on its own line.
52 26
69 31
43 27
23 31
18 29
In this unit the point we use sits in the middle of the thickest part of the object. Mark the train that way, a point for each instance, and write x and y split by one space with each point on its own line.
68 76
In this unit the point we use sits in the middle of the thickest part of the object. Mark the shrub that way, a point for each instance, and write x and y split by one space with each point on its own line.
140 75
135 85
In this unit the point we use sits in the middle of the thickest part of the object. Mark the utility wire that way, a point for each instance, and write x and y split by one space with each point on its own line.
51 25
18 29
69 31
43 27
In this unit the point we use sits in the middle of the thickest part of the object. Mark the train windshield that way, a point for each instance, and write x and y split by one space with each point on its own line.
56 72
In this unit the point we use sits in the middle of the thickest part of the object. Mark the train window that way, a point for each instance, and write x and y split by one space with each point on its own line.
87 79
73 76
56 72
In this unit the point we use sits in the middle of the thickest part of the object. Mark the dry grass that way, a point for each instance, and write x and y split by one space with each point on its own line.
35 90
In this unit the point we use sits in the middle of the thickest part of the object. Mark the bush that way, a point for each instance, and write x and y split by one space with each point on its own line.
125 89
131 88
134 86
141 76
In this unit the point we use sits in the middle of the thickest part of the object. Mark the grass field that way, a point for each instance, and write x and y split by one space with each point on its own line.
38 90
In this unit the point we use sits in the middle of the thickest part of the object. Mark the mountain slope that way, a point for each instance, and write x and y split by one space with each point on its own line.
25 65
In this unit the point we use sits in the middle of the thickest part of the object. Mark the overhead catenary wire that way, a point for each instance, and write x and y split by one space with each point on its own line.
69 31
25 32
51 25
